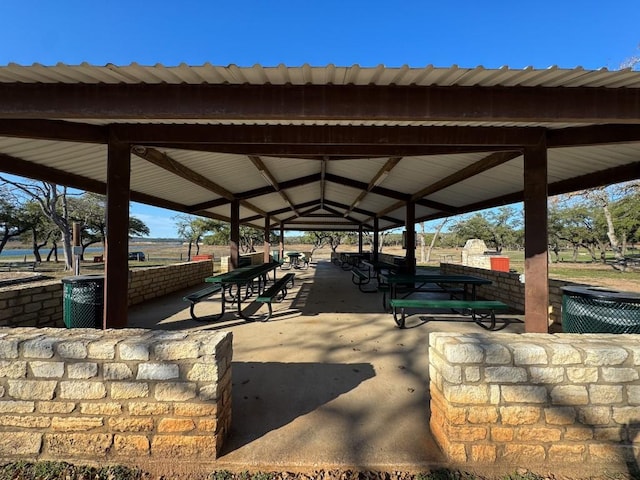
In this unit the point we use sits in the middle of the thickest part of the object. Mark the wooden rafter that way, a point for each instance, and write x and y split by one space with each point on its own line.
268 176
377 179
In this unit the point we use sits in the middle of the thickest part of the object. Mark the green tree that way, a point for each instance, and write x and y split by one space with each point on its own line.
14 220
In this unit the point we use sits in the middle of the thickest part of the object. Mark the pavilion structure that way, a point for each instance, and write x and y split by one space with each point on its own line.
321 148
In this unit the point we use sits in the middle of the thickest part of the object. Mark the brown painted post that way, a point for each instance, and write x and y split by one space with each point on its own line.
410 223
281 245
360 229
536 266
376 238
116 265
234 236
267 238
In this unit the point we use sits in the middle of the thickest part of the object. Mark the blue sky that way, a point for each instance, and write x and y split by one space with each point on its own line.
591 34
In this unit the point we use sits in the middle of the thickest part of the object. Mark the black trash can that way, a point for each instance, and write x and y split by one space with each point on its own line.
599 310
83 301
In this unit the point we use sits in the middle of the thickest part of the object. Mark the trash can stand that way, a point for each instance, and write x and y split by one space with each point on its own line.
599 310
83 301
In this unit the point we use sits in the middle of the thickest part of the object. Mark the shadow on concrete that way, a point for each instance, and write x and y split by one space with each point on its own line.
269 395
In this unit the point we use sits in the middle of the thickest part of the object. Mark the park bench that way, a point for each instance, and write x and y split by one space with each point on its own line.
18 266
480 310
198 296
276 292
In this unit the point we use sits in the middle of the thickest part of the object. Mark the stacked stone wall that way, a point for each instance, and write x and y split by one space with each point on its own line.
127 396
39 304
508 287
536 399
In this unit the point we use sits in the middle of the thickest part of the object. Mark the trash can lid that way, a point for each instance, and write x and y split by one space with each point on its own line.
84 278
602 293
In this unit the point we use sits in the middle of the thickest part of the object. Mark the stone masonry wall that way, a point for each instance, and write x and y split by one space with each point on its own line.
508 287
127 396
536 399
39 304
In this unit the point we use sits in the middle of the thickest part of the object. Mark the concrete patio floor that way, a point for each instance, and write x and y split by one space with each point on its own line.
328 382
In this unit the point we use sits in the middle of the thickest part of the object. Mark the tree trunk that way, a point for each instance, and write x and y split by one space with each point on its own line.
611 233
435 237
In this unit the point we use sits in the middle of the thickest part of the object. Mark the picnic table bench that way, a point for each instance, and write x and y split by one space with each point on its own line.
18 266
480 310
276 292
361 276
198 296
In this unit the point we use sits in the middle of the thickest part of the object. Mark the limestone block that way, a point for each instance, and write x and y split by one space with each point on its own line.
82 445
133 350
82 390
482 415
546 375
582 374
148 408
25 421
169 446
605 394
496 354
538 434
633 393
596 355
203 372
560 415
117 371
32 389
467 394
175 391
195 409
56 407
567 453
47 369
131 445
594 415
472 374
82 370
40 347
565 355
20 444
13 369
157 371
569 395
578 434
102 349
131 424
520 415
484 453
74 350
109 408
529 354
176 350
620 374
172 425
76 424
505 374
523 453
207 425
126 390
524 394
464 353
502 434
8 348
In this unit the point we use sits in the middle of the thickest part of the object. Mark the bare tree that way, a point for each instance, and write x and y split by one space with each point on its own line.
53 202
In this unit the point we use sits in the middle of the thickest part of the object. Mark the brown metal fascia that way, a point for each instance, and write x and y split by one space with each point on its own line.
338 102
593 135
55 130
257 136
330 152
219 202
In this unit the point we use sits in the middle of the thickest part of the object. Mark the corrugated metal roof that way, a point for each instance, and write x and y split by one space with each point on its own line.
327 75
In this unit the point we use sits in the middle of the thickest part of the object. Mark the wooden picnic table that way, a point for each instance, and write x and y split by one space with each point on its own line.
251 278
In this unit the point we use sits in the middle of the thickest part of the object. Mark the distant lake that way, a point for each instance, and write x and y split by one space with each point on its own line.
21 252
